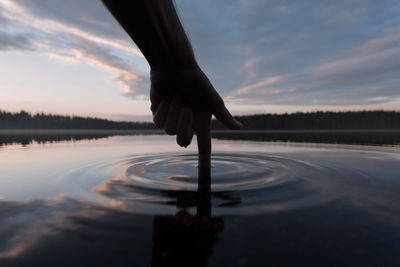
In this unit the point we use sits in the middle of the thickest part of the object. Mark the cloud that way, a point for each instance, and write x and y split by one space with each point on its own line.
28 28
324 52
259 52
368 74
376 59
13 42
261 84
132 83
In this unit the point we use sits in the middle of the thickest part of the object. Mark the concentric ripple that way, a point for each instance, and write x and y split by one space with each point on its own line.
240 183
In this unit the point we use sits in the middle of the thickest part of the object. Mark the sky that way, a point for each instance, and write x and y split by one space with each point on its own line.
71 57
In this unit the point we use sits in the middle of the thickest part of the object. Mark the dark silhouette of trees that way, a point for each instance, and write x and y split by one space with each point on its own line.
295 121
320 120
25 120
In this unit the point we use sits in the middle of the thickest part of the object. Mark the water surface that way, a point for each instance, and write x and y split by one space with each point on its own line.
135 200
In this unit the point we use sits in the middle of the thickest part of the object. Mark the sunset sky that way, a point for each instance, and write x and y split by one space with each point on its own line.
72 57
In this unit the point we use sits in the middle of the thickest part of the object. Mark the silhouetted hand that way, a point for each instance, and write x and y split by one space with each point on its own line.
182 97
182 102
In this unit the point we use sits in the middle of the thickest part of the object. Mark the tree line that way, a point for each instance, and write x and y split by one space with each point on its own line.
320 120
26 120
299 120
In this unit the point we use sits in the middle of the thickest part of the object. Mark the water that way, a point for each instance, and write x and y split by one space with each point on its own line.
137 200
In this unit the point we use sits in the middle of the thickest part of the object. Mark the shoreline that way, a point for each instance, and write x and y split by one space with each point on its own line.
76 131
160 131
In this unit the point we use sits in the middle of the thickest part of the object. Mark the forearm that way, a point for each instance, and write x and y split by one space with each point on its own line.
155 28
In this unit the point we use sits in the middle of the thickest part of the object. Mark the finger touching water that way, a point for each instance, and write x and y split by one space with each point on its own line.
203 133
182 97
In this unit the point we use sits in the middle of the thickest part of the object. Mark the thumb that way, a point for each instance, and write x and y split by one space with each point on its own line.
225 117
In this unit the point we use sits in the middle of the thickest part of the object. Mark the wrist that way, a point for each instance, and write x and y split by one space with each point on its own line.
174 71
174 65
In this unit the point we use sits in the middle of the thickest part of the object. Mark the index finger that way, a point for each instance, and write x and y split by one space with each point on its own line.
203 133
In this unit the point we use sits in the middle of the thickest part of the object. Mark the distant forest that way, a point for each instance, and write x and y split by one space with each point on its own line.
320 120
300 120
25 120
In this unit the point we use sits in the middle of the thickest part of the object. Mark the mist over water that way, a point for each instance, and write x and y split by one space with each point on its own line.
138 195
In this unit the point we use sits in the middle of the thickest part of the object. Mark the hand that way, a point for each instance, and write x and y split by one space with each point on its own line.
182 102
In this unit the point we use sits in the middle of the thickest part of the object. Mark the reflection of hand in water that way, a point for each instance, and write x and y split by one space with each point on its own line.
183 99
184 239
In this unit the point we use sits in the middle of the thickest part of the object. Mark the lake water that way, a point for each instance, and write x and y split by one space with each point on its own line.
137 201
